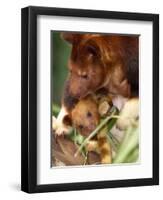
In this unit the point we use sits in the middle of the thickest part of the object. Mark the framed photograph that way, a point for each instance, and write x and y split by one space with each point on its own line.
90 99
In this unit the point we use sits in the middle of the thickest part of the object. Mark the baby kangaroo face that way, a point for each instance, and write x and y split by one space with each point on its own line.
85 116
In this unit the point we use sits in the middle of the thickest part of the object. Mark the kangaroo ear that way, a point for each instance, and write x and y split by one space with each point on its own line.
69 37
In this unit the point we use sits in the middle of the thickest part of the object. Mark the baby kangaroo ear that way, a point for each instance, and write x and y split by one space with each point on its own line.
69 37
67 120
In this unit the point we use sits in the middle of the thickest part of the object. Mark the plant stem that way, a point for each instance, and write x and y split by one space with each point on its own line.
115 140
112 143
133 156
75 135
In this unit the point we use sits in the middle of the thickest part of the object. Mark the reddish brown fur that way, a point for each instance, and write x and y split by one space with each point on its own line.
101 61
85 116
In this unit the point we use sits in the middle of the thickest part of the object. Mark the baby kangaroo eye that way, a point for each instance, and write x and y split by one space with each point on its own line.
89 114
81 126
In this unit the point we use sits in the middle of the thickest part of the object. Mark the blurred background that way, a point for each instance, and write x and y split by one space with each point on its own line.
59 58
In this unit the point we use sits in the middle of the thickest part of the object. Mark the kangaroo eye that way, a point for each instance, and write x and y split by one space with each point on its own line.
92 50
84 76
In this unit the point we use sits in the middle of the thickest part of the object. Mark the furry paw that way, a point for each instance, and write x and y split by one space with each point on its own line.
62 130
59 128
58 125
129 114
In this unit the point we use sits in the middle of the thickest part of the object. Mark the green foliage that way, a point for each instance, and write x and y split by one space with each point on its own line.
55 109
60 53
129 148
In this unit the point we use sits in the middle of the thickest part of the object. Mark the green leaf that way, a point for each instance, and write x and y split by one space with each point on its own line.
129 143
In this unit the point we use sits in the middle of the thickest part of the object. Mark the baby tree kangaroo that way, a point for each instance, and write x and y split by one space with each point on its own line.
85 117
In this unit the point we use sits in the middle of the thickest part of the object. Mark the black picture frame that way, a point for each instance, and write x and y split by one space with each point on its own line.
29 98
